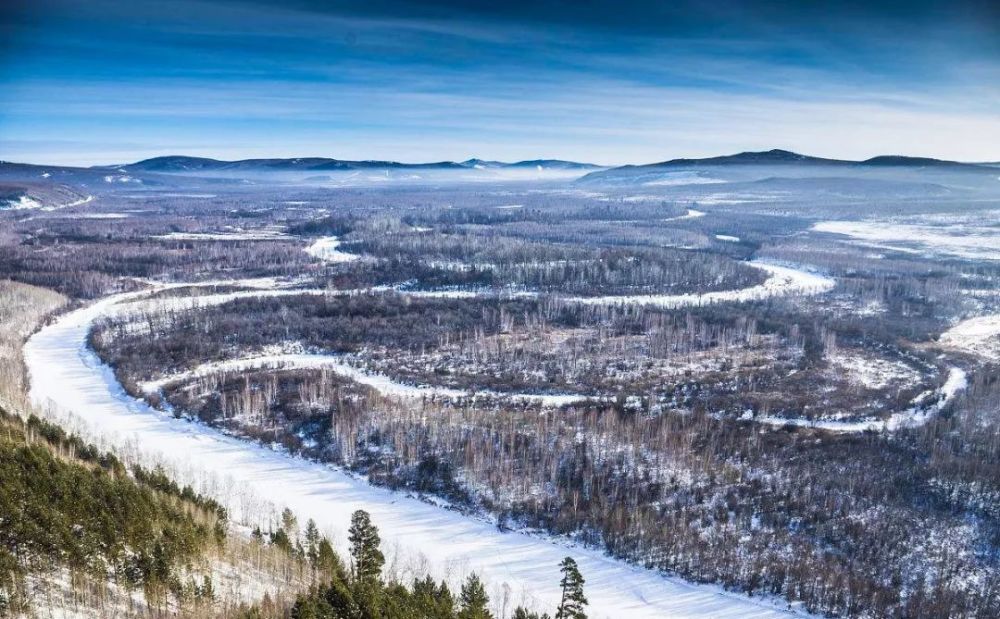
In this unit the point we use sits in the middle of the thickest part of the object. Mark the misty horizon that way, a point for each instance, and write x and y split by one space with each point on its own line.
492 160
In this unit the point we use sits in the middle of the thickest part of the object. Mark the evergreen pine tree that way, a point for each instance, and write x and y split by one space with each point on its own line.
288 521
328 564
573 600
432 600
474 600
312 542
367 557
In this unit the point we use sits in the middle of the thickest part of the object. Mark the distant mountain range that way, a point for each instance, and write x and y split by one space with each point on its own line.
774 160
180 164
745 167
784 157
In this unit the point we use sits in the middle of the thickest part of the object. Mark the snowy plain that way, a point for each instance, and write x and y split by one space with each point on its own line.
968 240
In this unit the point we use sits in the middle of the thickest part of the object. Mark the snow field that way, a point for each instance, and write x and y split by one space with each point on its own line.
965 240
979 336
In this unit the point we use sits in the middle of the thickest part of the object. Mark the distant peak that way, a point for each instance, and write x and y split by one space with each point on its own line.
903 160
775 155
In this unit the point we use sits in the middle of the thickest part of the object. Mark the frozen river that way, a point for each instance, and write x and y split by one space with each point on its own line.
67 377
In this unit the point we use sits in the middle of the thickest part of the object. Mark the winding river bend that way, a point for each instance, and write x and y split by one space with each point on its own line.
68 378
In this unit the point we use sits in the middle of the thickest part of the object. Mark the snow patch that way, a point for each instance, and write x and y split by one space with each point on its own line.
870 372
326 249
249 235
691 214
979 336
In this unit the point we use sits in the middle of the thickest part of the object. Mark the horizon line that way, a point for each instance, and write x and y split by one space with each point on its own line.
492 160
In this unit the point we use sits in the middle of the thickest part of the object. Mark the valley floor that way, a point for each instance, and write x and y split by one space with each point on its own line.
71 383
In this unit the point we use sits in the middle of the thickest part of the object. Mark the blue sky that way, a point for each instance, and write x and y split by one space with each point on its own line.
107 81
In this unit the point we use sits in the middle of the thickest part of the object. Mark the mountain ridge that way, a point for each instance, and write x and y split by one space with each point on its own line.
175 164
778 157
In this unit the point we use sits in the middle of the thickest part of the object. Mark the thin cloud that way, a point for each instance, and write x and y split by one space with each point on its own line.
443 83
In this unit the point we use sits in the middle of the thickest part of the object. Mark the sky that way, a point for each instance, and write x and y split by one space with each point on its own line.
604 81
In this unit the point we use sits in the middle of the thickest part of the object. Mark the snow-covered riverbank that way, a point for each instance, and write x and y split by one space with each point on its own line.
336 364
67 376
781 281
921 410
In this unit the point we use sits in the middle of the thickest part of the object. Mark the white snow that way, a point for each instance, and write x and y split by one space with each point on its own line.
249 235
691 214
468 294
336 363
25 203
69 204
979 336
99 215
121 178
727 238
68 377
964 240
871 372
922 409
326 249
782 281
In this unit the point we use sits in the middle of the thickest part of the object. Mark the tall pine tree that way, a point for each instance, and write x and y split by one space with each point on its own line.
368 559
573 600
474 600
312 542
